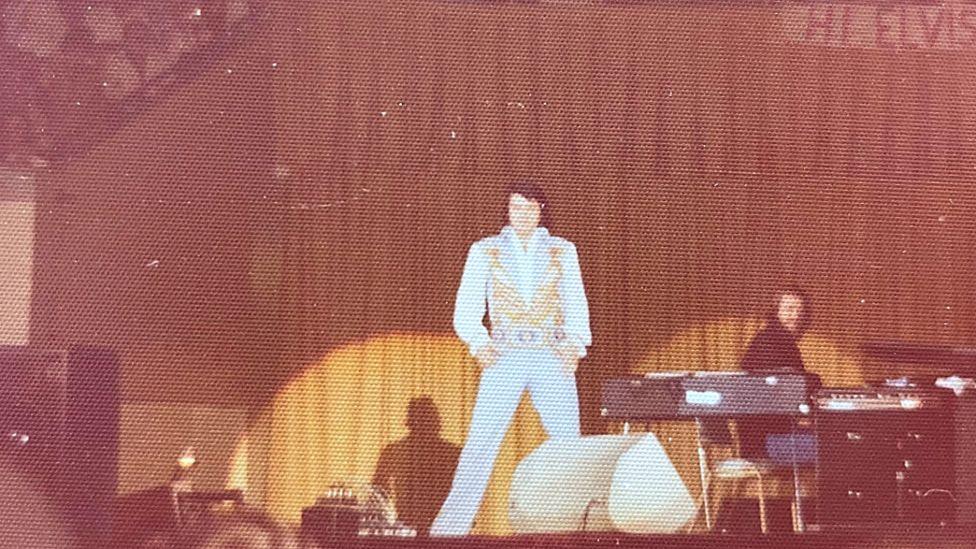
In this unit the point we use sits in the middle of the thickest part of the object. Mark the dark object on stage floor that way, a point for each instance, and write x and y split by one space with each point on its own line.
159 515
885 456
348 512
194 506
59 416
707 394
331 525
964 428
143 516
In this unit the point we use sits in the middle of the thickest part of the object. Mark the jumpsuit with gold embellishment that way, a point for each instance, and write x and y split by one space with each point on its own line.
536 303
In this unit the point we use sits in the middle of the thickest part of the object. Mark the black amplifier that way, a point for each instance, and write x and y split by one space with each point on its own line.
332 524
885 455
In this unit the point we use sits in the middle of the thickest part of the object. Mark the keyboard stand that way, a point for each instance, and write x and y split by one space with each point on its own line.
703 472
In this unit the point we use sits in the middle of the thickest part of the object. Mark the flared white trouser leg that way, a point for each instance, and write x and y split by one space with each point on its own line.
553 393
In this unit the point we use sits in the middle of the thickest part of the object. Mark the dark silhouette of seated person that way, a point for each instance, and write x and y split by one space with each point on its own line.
417 470
774 350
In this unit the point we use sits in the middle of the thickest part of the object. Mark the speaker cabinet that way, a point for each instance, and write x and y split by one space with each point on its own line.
964 424
59 415
886 459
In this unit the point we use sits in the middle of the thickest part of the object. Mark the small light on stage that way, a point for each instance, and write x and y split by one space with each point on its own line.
187 459
19 438
838 404
911 403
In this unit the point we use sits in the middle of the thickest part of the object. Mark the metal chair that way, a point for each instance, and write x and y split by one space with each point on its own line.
782 451
715 432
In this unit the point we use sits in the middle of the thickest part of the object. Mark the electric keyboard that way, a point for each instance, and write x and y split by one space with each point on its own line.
671 395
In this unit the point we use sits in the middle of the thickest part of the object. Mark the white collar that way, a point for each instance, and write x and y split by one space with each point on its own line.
540 233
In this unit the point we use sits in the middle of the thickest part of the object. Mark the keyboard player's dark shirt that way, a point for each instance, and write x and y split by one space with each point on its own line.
773 349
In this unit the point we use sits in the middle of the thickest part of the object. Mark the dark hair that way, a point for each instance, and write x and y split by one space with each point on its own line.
806 313
533 192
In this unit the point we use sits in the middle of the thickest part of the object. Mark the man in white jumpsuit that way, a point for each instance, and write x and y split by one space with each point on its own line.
540 328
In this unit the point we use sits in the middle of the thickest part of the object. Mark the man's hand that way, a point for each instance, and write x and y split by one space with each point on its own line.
486 356
570 356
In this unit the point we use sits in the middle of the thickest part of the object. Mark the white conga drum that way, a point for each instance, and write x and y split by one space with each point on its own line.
599 483
647 496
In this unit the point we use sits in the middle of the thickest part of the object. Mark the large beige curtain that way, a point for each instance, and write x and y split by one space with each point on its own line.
329 423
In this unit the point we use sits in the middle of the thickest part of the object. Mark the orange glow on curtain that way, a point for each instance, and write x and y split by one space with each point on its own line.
16 265
238 473
329 424
720 345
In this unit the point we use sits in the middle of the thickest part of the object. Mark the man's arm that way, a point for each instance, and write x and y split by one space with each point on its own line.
469 307
757 354
576 310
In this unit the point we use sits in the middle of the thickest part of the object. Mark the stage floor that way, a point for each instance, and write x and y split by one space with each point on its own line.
877 537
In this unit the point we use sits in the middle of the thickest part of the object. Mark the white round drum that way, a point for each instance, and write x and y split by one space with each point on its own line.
599 483
647 496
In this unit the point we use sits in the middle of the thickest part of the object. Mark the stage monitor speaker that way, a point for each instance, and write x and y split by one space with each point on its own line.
59 414
599 483
885 458
964 422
